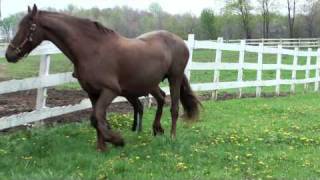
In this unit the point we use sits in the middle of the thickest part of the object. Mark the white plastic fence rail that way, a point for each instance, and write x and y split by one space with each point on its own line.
45 80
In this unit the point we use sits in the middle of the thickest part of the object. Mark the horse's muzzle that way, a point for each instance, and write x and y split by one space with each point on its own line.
12 57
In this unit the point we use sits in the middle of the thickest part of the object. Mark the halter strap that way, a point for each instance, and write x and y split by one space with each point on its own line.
18 48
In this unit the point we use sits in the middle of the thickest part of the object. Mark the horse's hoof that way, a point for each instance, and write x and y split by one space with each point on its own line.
134 129
118 143
173 136
101 148
158 131
139 130
115 139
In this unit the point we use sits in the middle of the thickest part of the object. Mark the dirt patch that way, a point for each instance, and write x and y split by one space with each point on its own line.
24 101
2 72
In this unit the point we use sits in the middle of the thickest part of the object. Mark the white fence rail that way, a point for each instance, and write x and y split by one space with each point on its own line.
286 43
45 80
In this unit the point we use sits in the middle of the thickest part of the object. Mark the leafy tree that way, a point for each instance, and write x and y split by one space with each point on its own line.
8 25
157 12
207 20
311 9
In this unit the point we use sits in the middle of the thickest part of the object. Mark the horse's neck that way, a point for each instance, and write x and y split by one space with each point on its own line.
60 33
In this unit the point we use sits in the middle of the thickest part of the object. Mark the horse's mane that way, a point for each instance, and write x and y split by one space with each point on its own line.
96 24
101 27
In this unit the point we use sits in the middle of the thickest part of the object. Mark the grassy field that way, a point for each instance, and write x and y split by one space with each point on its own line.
275 138
29 67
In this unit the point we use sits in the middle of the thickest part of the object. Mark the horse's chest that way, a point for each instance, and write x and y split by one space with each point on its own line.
94 84
88 86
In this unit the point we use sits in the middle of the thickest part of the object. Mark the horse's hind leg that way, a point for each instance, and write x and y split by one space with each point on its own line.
99 114
175 85
159 95
138 113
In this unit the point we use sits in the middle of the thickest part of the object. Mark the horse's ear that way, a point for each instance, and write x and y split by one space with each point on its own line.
34 10
29 9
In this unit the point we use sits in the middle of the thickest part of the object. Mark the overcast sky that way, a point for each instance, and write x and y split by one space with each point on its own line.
195 7
172 6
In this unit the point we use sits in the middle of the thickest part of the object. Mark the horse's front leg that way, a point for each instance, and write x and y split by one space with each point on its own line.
103 128
100 140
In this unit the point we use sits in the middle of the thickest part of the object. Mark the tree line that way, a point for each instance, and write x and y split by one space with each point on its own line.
239 19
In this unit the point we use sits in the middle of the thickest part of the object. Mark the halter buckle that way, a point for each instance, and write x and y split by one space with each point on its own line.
33 27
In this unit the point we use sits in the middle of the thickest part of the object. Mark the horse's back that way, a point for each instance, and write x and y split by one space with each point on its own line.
172 43
171 40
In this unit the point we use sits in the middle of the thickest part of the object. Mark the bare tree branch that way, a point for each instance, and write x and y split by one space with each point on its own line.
243 8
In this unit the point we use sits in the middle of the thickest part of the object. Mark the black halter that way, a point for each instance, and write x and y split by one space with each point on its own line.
18 48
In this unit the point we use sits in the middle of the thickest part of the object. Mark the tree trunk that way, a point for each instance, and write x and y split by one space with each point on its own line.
291 17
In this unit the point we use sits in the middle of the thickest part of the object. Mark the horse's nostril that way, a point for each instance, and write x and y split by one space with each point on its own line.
11 58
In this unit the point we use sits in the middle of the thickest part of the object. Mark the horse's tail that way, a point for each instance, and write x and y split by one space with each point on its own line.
189 101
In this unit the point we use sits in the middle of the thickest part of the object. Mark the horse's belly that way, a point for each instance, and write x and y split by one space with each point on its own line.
141 80
140 87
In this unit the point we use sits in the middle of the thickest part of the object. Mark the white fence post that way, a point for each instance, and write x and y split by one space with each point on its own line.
240 67
294 70
42 92
259 70
216 76
316 84
278 73
148 101
307 75
191 43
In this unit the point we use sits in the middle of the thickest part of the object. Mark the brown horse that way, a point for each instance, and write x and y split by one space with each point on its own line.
108 65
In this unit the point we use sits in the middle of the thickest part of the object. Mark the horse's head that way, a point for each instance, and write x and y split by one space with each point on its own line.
28 37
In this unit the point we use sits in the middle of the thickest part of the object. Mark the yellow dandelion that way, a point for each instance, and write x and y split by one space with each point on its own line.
181 166
269 176
26 157
249 155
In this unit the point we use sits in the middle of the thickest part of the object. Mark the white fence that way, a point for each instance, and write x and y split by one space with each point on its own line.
45 80
286 43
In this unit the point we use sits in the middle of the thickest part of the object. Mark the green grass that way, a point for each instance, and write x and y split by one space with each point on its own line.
275 138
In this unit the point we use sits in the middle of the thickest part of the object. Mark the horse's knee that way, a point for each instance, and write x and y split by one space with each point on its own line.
174 112
161 102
